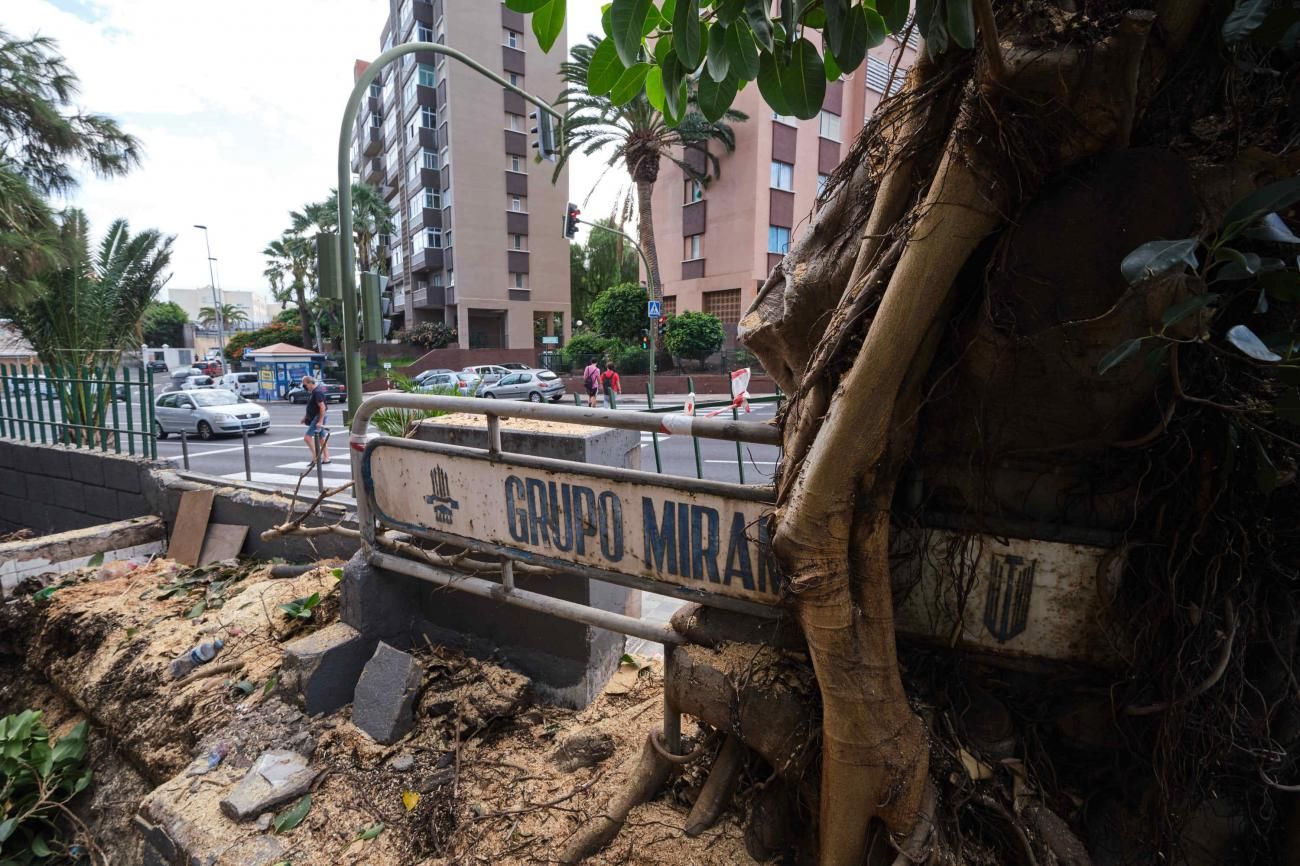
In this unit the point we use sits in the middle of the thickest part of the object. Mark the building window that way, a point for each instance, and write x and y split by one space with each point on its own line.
376 90
412 173
446 239
670 305
693 247
778 239
432 198
821 182
422 34
514 163
408 96
829 126
782 175
397 259
437 280
514 38
514 122
725 305
518 280
693 191
515 79
519 242
416 209
417 242
519 203
428 117
433 238
446 196
429 159
877 74
426 75
391 166
787 119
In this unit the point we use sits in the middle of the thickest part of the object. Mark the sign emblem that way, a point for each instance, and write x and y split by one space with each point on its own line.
1006 606
440 499
654 309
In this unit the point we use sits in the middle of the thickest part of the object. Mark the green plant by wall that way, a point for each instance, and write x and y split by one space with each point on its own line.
694 335
429 335
619 311
38 778
584 347
276 332
399 422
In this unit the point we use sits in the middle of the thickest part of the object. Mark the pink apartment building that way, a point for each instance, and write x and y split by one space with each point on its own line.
733 231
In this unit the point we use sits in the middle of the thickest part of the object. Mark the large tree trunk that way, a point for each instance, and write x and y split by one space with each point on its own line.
304 319
645 228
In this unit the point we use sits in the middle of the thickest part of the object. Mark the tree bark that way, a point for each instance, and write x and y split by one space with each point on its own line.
646 230
304 320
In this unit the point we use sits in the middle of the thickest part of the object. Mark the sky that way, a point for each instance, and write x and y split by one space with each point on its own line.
237 105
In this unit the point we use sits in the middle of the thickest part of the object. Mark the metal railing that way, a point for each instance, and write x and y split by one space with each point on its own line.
85 407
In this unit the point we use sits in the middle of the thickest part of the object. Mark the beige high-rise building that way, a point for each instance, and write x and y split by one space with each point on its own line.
478 243
718 242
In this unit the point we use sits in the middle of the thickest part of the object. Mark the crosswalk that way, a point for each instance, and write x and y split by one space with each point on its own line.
333 473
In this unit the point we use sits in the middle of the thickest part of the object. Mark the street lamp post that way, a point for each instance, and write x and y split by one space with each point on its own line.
216 304
347 266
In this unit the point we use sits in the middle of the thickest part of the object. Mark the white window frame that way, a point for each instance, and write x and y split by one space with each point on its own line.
787 119
512 39
828 122
774 231
692 190
782 170
519 280
516 80
428 114
433 238
693 247
515 163
821 182
420 72
518 204
429 159
518 242
514 122
421 29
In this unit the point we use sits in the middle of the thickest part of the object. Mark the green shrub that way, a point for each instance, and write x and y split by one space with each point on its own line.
428 335
619 312
37 780
583 347
398 422
628 358
694 335
276 332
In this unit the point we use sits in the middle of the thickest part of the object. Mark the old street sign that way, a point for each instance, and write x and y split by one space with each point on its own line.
702 537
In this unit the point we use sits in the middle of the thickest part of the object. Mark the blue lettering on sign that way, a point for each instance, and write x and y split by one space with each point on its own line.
683 540
544 514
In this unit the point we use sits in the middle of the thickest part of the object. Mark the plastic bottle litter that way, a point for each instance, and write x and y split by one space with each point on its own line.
201 654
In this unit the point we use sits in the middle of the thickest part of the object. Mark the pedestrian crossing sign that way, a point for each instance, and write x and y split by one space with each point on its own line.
654 309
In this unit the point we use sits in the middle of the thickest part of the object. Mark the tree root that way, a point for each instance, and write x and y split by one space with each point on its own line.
643 783
718 788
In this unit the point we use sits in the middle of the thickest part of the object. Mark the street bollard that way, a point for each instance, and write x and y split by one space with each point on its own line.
320 472
248 464
185 450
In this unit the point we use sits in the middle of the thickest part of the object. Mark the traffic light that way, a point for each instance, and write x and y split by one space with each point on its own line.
645 340
663 325
545 145
571 221
327 266
372 290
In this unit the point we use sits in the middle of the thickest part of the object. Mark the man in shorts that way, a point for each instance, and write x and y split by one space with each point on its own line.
315 420
591 381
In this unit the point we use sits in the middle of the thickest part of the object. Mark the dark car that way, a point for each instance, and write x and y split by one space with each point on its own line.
156 366
335 392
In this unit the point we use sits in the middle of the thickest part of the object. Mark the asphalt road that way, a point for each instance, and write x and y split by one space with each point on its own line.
279 456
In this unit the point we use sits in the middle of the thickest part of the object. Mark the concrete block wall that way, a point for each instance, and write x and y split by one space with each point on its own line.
54 488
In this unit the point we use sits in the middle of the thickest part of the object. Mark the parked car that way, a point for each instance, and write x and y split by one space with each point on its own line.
515 365
420 377
37 387
157 365
464 384
488 373
197 383
335 392
208 413
243 384
211 367
531 385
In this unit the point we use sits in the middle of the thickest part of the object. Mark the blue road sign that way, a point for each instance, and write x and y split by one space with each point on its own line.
654 309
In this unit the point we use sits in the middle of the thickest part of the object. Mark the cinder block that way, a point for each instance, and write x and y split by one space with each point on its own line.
69 494
40 489
385 697
102 502
52 461
87 467
60 519
13 484
321 669
123 473
131 505
6 455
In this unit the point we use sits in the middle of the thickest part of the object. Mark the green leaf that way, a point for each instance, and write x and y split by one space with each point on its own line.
663 48
7 828
742 51
756 14
857 35
605 69
729 11
197 610
1246 340
1239 265
1118 355
44 594
674 88
626 18
1156 257
833 71
292 817
1244 19
930 23
548 23
837 13
244 687
40 847
804 81
270 685
629 84
895 13
370 832
686 33
961 22
716 61
1175 313
654 88
1273 229
770 83
1274 197
715 97
95 561
525 6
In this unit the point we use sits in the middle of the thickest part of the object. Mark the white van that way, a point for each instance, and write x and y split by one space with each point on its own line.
243 384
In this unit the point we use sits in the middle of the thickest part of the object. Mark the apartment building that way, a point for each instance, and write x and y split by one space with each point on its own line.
258 308
732 231
478 241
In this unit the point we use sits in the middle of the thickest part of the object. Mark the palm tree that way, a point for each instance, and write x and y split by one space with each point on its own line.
639 137
289 260
227 314
371 217
91 309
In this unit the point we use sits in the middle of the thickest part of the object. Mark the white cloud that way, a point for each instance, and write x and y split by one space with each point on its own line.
238 106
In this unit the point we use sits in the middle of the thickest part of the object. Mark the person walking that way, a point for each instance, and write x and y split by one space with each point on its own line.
612 385
591 381
315 420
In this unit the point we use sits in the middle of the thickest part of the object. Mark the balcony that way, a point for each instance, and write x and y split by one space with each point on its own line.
374 172
374 140
430 297
427 259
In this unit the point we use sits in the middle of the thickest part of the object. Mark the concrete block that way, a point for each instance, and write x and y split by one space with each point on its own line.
6 455
131 505
123 473
102 502
40 490
383 705
321 669
379 604
51 461
13 484
276 777
87 467
69 494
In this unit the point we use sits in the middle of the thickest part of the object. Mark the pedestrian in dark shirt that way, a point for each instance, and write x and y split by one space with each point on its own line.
315 420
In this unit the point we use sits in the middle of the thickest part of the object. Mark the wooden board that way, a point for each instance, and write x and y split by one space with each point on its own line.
224 541
191 525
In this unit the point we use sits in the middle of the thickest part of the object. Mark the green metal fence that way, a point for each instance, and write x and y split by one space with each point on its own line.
85 407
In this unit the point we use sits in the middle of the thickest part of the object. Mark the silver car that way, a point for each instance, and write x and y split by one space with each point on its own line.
207 413
531 385
464 384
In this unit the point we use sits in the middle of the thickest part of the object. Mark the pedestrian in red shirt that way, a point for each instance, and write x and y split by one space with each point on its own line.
609 380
